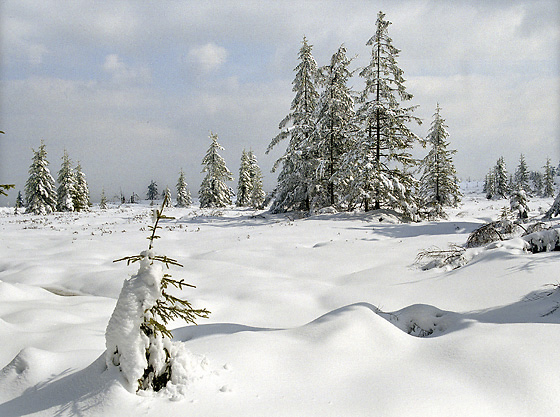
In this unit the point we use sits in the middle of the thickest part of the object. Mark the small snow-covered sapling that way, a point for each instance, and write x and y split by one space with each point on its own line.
137 339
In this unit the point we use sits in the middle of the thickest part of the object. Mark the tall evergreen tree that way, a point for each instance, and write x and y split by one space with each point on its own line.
521 177
257 194
244 183
183 194
439 185
294 188
67 184
152 193
379 162
501 189
335 112
81 190
213 191
548 180
40 194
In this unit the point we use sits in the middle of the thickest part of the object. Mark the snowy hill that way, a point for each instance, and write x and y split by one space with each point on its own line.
321 316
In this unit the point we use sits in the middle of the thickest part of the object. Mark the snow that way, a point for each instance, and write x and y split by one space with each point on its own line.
321 316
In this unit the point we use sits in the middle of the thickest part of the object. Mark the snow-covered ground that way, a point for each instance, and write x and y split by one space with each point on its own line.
310 317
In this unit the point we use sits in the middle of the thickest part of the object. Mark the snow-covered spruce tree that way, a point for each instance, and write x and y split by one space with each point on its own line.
152 193
378 164
137 339
439 185
295 181
19 201
548 179
66 185
521 176
334 128
213 191
501 189
244 183
40 194
257 194
81 190
166 196
183 193
489 184
518 203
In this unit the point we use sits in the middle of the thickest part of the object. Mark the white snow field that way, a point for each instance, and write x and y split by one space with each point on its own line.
310 317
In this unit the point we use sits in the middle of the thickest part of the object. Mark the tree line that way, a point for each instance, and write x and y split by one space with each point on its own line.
351 149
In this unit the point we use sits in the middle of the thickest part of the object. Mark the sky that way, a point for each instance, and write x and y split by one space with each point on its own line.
132 89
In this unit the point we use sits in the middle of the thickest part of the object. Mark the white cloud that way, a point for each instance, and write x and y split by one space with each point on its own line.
208 57
124 74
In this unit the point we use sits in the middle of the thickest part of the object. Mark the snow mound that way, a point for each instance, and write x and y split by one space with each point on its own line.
422 320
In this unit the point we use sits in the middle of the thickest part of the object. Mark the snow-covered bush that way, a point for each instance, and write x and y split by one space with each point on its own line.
137 340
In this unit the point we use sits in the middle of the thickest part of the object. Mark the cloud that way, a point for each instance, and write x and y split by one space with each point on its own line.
124 74
208 57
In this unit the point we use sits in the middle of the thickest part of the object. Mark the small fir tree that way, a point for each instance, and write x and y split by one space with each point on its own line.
81 190
40 194
489 184
554 209
166 196
213 191
152 193
183 193
548 180
103 201
439 185
19 201
67 184
297 176
518 203
137 339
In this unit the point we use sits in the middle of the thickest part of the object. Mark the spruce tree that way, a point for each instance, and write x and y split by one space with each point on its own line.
489 184
183 193
521 177
81 190
335 112
257 194
294 189
138 341
501 189
152 193
213 191
19 201
548 180
103 201
67 184
518 202
244 183
40 194
439 185
166 196
379 164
